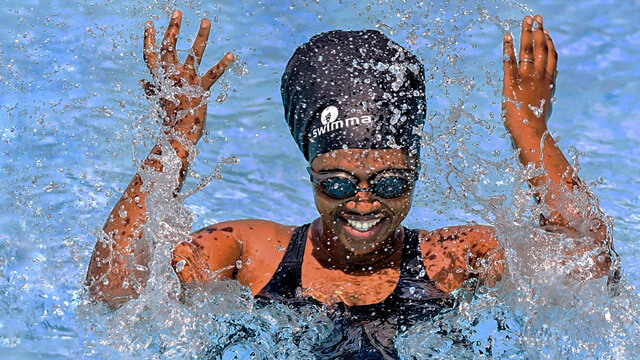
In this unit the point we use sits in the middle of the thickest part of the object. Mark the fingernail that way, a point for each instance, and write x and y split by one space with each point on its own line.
175 14
508 37
529 20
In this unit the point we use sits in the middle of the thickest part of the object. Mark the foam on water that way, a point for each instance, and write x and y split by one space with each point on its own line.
67 166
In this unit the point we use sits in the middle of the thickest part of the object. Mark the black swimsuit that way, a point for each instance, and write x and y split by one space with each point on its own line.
365 331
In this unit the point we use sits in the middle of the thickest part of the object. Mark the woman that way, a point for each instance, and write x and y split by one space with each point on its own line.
355 104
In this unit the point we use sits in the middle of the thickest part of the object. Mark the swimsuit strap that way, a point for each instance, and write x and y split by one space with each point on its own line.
294 254
414 283
412 265
288 277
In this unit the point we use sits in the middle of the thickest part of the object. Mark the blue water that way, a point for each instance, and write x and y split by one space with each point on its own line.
71 108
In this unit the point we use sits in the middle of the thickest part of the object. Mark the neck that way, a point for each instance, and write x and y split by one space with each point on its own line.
331 254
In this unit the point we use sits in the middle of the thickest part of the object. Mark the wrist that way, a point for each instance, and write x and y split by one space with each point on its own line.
525 122
191 125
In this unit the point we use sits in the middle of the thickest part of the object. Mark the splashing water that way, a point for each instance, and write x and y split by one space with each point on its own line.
66 145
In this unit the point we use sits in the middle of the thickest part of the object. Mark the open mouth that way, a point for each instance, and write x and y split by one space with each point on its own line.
363 226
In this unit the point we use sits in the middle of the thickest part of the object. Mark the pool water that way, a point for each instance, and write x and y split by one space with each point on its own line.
74 122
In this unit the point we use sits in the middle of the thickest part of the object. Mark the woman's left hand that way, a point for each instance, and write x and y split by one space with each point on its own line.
529 85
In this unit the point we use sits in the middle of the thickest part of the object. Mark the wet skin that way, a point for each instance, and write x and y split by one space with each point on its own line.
340 262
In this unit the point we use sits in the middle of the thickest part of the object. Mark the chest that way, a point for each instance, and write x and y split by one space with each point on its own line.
332 286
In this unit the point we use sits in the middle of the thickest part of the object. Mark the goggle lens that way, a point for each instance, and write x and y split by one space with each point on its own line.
338 187
390 187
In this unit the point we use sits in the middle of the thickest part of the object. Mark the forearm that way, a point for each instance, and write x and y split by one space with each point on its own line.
536 146
556 179
118 267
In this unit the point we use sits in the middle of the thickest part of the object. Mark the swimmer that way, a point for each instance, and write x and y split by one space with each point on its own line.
354 102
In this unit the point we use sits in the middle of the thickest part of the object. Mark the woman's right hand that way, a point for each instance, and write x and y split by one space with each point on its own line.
183 109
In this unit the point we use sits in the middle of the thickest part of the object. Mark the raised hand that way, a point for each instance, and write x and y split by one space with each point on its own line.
529 85
178 85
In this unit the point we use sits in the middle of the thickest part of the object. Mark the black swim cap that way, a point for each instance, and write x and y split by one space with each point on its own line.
354 89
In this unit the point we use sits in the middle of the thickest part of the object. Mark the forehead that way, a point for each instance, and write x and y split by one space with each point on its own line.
353 160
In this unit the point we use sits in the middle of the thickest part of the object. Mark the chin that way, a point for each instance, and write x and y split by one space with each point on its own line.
360 248
363 243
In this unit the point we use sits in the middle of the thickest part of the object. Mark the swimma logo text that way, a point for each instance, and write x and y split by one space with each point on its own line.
329 122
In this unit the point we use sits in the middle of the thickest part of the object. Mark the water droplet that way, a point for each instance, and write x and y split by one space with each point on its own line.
180 265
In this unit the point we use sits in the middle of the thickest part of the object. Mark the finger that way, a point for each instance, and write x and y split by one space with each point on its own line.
149 53
215 72
168 48
149 89
540 50
199 44
552 56
509 63
526 47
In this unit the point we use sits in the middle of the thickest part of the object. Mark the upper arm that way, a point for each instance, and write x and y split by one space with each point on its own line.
211 254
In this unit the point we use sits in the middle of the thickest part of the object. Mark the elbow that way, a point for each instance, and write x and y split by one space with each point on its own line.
114 283
112 299
607 263
114 287
113 296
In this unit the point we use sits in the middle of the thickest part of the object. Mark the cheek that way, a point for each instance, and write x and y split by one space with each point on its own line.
401 207
325 207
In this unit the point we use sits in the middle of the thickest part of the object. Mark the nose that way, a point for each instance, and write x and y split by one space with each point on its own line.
363 203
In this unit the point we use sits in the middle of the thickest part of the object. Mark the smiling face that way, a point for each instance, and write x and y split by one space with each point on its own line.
364 223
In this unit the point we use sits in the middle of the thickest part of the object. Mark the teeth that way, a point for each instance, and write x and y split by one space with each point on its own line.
362 225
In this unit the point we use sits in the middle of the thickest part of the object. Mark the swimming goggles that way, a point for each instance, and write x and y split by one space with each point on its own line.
386 184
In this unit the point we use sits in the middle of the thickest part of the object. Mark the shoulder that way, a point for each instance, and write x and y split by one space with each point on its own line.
248 235
453 254
247 229
478 239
